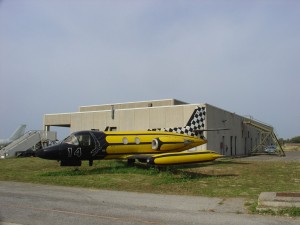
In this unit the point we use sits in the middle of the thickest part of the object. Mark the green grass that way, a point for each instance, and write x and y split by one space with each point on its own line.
226 178
291 212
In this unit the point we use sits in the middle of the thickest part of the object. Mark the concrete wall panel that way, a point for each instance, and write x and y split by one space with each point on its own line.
112 118
100 120
57 119
174 116
141 119
87 121
157 117
126 120
131 105
76 122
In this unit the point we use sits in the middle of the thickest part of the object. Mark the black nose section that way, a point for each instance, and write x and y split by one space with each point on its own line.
51 152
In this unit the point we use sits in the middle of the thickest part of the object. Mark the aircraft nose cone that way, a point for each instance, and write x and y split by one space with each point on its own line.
51 152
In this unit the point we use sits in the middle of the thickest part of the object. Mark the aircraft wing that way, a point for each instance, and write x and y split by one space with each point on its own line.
217 129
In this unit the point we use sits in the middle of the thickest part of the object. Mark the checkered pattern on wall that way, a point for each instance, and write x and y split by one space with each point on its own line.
196 122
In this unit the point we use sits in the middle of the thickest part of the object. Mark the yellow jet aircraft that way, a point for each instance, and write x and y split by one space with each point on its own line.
164 146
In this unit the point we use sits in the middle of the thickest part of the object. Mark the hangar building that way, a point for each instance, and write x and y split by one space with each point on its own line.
244 137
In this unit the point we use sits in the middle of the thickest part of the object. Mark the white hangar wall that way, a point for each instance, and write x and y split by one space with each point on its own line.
238 140
130 119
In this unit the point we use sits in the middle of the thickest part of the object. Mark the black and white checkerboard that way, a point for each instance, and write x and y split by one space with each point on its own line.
196 122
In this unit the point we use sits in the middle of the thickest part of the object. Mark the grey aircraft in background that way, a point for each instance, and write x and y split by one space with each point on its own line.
19 132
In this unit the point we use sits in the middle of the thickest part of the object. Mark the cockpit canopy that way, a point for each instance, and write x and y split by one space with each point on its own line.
71 140
83 138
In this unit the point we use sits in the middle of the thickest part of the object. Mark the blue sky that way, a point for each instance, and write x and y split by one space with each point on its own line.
242 56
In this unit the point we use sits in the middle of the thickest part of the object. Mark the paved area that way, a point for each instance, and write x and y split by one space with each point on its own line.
34 204
282 199
290 157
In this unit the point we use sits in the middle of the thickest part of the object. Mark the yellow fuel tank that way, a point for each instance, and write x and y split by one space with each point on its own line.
183 157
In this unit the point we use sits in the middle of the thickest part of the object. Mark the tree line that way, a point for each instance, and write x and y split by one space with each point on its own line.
292 140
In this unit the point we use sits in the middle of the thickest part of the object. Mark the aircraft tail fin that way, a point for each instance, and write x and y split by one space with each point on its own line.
193 127
20 131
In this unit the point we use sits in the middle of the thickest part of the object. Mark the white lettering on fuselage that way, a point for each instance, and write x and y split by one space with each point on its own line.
76 153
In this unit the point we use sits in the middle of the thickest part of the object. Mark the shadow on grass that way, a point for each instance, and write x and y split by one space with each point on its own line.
219 162
85 172
172 172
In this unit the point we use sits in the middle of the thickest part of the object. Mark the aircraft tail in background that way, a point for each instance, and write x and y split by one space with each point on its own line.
19 132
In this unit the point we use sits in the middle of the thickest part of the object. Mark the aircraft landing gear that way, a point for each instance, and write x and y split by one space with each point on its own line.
130 162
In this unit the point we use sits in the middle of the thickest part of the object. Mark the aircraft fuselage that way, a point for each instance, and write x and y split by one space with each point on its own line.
93 145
